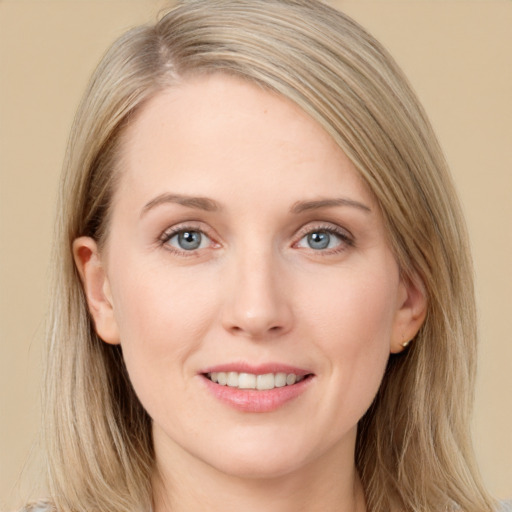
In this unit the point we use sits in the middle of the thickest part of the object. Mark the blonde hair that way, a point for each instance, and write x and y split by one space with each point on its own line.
413 449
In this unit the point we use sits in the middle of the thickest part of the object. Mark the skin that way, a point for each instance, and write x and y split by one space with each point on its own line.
254 291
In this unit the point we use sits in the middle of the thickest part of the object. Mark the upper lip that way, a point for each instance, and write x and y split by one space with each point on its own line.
260 369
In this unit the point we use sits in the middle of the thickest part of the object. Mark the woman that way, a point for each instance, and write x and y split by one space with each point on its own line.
263 292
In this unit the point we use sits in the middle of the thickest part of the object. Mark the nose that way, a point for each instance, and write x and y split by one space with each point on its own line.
258 301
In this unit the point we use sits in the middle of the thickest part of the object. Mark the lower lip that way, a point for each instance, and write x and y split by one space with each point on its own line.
252 400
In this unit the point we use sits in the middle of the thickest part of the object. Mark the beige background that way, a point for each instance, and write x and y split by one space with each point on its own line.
458 55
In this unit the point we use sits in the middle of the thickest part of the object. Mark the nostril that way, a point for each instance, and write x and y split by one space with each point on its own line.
256 331
256 317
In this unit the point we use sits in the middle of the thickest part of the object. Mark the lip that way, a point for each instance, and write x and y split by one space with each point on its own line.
251 400
259 369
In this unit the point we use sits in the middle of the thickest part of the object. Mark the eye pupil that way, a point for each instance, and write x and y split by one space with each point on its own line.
189 240
319 240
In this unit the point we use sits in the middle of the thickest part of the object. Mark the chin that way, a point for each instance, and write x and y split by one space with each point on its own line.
260 467
261 459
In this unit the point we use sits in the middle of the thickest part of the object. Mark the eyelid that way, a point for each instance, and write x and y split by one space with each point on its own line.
346 237
324 226
181 227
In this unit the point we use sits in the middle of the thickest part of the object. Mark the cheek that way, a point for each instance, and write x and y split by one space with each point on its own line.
352 326
154 303
162 318
357 308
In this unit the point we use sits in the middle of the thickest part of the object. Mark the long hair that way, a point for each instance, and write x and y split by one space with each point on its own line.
413 449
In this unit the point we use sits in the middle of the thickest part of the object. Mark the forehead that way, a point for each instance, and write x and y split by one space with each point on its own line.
216 128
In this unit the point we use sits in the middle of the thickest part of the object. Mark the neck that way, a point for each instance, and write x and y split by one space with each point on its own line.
329 484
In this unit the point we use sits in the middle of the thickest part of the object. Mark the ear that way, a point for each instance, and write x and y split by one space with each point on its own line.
411 312
96 288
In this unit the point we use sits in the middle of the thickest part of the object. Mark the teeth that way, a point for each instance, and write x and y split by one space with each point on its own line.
251 381
290 379
247 381
233 380
280 380
265 381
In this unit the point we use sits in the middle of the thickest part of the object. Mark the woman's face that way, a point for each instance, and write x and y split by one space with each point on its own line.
243 247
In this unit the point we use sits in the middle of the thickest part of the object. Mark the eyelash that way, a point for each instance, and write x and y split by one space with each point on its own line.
168 234
346 239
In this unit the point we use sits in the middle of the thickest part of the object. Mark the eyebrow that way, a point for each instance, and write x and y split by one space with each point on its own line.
302 206
209 205
201 203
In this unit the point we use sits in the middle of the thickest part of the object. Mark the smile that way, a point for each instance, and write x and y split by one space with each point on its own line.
260 389
259 382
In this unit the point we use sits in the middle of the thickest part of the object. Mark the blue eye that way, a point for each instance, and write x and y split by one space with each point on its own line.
319 240
188 240
322 239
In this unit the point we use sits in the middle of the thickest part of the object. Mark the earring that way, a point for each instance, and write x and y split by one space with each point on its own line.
405 344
